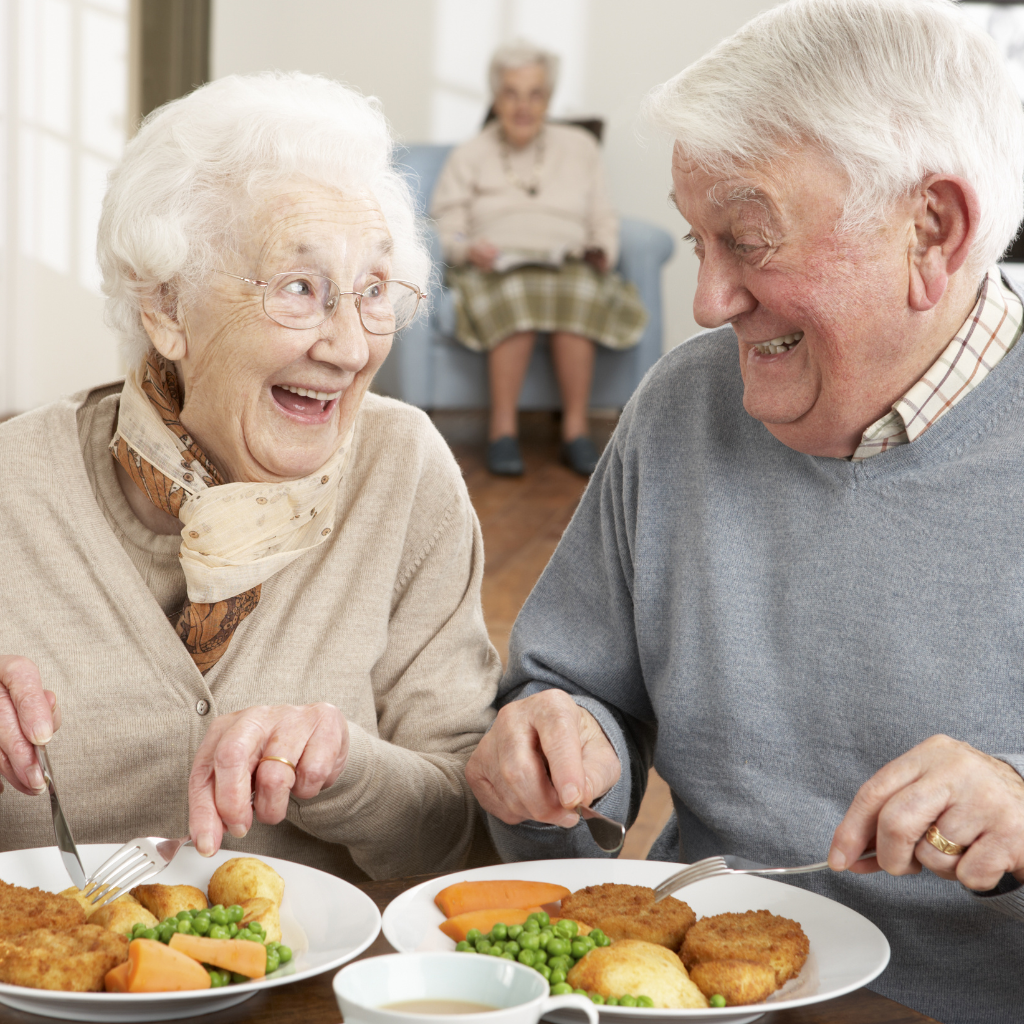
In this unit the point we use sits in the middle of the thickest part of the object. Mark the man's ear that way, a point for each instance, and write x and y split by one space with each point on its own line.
945 211
165 326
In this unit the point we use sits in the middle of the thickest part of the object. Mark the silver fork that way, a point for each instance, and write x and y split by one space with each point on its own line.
136 862
713 867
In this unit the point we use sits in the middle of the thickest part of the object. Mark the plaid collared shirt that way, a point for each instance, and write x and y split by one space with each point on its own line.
987 335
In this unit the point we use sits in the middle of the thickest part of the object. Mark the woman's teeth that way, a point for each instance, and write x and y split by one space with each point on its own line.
777 345
320 396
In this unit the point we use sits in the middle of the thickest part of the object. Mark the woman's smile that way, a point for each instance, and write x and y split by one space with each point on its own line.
305 404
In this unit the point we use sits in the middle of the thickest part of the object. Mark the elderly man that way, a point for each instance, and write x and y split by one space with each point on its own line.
795 586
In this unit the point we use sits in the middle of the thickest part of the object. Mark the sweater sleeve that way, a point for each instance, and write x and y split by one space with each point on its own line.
450 206
576 632
603 226
402 805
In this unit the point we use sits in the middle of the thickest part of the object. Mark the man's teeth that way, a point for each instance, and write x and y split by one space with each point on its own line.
320 396
776 345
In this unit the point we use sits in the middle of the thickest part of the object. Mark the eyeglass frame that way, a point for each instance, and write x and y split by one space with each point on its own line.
420 296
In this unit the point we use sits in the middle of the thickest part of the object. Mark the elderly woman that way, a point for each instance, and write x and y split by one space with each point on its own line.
795 582
237 568
529 235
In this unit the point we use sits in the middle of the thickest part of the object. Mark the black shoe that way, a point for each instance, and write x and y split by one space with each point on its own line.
581 455
504 457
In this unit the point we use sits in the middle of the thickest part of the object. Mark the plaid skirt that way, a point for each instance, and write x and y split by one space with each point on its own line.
574 298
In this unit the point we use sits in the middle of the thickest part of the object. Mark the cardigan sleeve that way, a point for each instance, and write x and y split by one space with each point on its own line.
450 206
402 805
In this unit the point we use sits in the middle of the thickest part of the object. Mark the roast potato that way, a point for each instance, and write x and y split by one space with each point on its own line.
242 878
259 908
166 900
122 914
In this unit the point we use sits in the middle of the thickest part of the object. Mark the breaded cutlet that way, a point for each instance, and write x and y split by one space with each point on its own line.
629 912
756 935
740 982
75 959
24 909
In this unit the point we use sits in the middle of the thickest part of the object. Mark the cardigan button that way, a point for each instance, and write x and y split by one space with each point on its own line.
202 707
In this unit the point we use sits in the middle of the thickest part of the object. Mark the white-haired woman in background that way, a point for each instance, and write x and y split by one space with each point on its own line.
530 237
238 567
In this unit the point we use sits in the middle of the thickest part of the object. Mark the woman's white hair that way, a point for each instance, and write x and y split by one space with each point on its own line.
522 54
186 190
891 90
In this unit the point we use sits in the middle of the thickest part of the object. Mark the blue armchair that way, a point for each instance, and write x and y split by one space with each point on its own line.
427 367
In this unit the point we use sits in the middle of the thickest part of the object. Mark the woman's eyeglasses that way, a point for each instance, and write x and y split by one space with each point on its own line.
299 300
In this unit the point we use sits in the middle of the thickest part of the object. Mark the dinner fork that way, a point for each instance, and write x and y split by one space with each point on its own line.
136 862
713 867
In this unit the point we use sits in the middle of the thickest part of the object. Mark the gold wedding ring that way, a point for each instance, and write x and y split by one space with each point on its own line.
283 760
942 844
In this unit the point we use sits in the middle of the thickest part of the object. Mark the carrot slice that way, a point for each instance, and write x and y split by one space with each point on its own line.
237 955
464 897
458 928
153 967
116 979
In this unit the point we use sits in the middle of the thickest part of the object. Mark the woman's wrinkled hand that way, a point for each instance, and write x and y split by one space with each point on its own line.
974 799
598 259
28 715
314 737
542 757
482 255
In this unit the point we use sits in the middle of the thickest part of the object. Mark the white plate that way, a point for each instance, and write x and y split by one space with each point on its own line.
324 920
847 950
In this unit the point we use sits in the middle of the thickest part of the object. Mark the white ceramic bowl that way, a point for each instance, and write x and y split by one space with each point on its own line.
519 994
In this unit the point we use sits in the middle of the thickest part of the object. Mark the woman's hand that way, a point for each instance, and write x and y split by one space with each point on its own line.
28 714
482 255
314 737
542 757
974 800
598 259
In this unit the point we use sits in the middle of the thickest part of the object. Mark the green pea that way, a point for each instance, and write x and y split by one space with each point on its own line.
201 925
595 934
578 949
561 988
138 927
603 941
526 956
557 975
170 920
184 915
235 913
627 1000
579 991
499 946
185 926
558 947
544 970
611 1001
508 956
512 946
218 915
285 953
540 957
533 927
473 934
560 963
542 918
546 934
717 1000
218 931
165 932
482 945
529 940
515 931
239 979
587 941
149 933
464 947
596 998
257 928
567 929
645 1001
499 933
232 929
216 981
273 961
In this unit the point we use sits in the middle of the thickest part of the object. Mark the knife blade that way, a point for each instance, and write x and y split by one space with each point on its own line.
61 829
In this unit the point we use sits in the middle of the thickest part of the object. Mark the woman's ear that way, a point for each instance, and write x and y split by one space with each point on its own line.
945 212
165 326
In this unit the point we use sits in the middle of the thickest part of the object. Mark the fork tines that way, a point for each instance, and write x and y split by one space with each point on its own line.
118 873
709 867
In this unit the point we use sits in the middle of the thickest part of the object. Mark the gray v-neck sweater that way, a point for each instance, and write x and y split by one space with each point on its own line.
770 628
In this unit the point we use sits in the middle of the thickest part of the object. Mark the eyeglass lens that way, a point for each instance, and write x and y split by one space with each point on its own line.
306 300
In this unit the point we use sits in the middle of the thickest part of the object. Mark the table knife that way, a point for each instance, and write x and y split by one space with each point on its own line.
61 830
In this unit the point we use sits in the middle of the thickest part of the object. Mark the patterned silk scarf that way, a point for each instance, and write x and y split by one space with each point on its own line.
234 535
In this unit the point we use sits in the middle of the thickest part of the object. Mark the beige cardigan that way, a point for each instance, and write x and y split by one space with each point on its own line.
475 201
383 620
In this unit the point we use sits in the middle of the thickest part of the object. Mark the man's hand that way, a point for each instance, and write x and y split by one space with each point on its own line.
28 714
314 737
482 255
974 800
542 757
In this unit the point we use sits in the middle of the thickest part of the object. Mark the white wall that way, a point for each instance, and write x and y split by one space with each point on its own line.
426 60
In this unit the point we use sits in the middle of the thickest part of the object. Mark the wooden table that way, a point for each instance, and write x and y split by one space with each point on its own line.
312 1002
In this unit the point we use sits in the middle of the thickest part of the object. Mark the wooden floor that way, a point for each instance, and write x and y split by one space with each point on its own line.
522 519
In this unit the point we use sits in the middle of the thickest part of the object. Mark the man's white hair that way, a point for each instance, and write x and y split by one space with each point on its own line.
522 54
892 90
181 202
